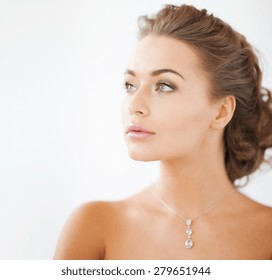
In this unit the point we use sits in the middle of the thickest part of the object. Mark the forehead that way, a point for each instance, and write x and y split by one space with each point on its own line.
155 52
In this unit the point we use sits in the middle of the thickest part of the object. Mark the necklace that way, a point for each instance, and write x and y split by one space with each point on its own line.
188 221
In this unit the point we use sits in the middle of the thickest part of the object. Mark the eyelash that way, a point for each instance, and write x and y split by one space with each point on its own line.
163 83
127 85
157 87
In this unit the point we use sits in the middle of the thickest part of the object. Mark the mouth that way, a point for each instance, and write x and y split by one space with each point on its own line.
134 131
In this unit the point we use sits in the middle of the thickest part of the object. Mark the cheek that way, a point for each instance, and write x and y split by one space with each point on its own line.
184 127
184 114
191 120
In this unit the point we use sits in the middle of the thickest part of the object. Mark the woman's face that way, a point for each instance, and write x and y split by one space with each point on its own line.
166 112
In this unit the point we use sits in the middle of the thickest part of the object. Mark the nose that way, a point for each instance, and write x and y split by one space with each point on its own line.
139 103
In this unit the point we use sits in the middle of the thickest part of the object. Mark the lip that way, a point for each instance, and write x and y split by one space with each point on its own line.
135 131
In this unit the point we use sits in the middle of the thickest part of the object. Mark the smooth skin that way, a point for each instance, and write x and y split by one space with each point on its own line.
167 92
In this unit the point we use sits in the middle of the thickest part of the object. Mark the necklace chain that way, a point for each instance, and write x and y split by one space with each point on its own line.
189 221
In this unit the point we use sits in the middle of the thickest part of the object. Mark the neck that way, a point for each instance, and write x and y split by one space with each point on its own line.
191 186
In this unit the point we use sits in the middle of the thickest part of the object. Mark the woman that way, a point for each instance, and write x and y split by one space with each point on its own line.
195 103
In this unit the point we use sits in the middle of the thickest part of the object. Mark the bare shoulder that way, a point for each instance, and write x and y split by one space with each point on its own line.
82 236
92 226
257 216
264 216
257 210
262 211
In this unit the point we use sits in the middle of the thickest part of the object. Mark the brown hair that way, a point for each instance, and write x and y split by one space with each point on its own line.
234 70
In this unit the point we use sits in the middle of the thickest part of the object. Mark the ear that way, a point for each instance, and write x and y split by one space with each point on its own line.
224 113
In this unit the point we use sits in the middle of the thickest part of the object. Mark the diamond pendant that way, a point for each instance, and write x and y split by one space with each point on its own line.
189 242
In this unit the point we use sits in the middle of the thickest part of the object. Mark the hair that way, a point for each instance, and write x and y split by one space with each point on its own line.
233 69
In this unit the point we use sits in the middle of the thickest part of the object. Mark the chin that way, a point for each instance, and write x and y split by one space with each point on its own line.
141 156
147 156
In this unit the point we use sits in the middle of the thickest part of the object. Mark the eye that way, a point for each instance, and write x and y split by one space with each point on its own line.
129 88
164 87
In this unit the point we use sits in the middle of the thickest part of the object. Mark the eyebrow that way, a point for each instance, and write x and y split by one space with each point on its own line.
156 72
